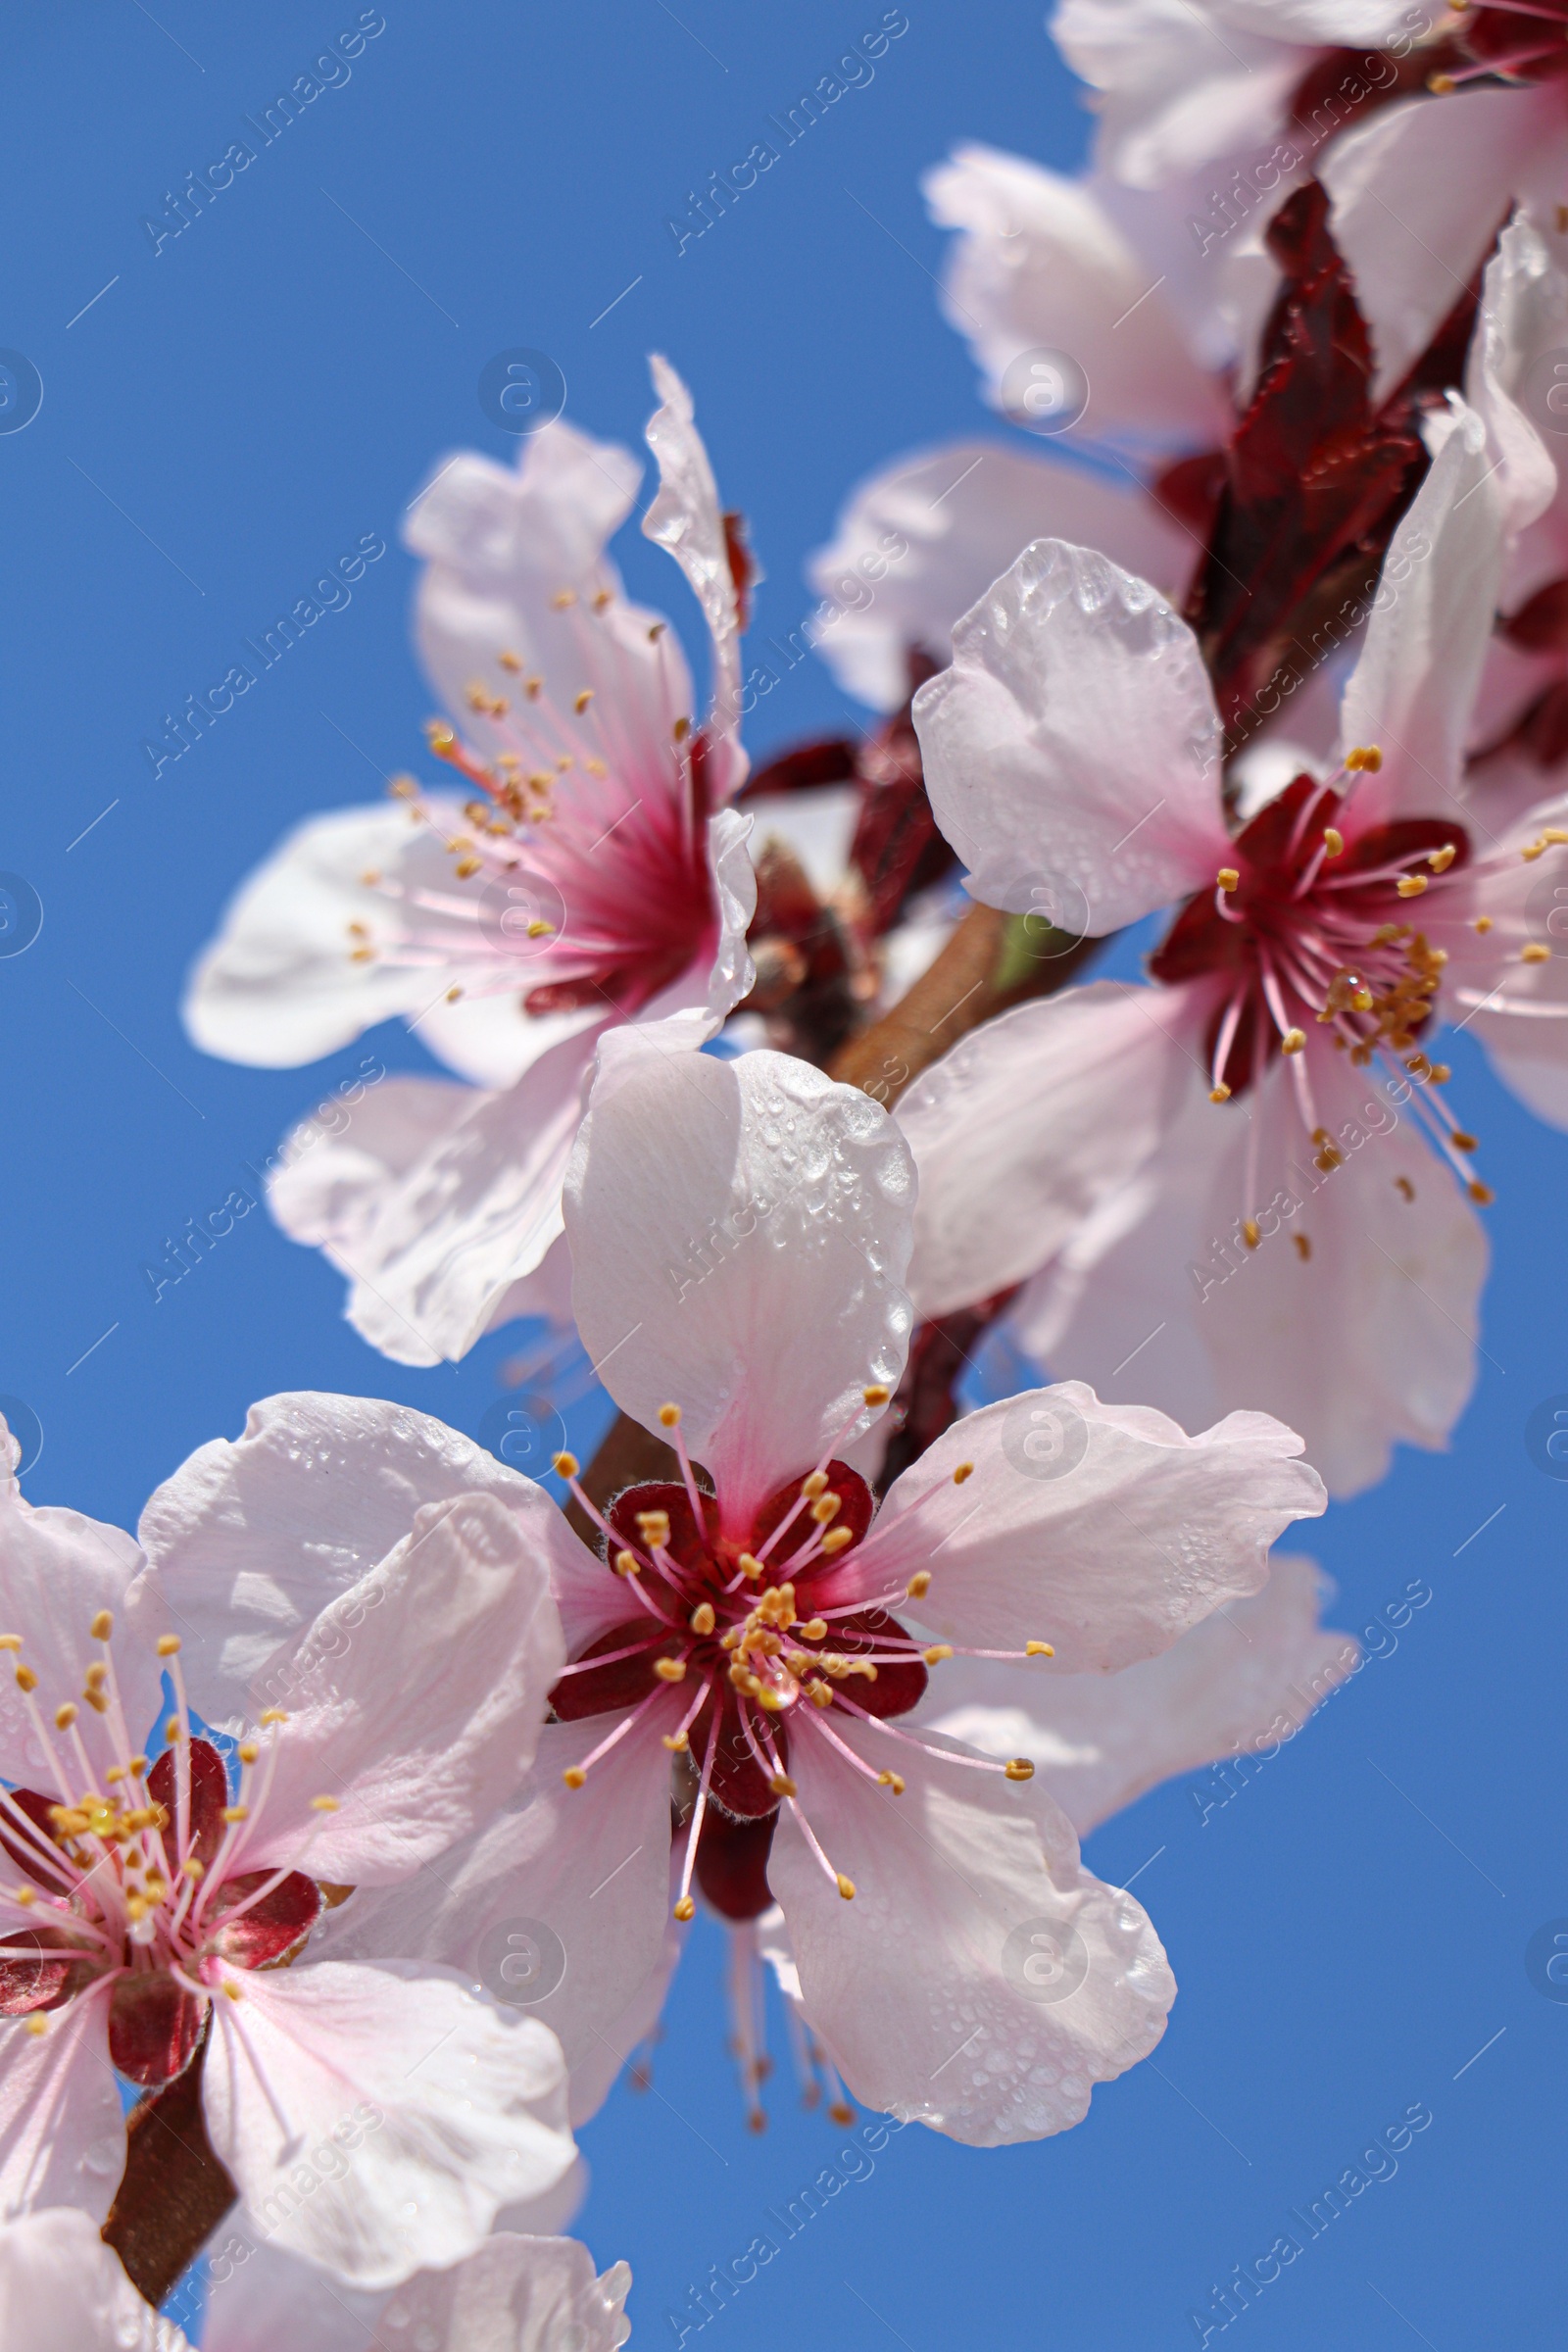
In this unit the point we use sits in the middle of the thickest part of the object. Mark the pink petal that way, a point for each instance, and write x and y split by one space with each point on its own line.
920 1987
739 1230
61 2128
376 2119
1042 264
1249 1674
1105 1530
253 1538
62 2290
1072 750
415 1702
961 513
1031 1125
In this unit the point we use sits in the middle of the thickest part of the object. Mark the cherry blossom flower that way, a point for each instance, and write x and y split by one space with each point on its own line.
157 1903
596 874
1248 1175
758 1630
514 2293
62 2290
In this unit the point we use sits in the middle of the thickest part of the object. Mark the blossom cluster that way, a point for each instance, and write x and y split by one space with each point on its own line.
356 1810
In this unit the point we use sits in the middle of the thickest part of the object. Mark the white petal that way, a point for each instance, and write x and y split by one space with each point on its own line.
1025 1128
959 515
517 565
1072 750
1369 1341
251 1540
1251 1672
1041 263
1518 1010
980 1981
1102 1529
375 2118
258 2298
471 1217
563 1906
329 1181
1412 689
1180 90
1524 317
687 520
62 2126
62 2290
57 1570
739 1231
415 1701
1419 192
281 983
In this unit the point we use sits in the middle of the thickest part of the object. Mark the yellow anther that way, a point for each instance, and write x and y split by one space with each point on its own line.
1534 950
96 1699
233 1990
681 729
741 1675
782 1786
702 1617
627 1564
1464 1142
233 1813
10 1641
193 1869
814 1485
273 1715
562 598
1333 840
826 1507
574 1776
671 1670
1228 878
1252 1233
1442 85
323 1805
1303 1247
676 1742
172 1732
685 1909
136 1767
653 1529
919 1584
891 1780
37 2023
24 1896
103 1625
819 1693
846 1886
97 1675
168 1645
1037 1649
581 702
565 1465
510 661
669 1416
1439 1073
1366 757
26 1680
1018 1768
464 868
1481 1194
1220 1092
65 1716
837 1539
937 1652
814 1630
748 1566
138 1906
1410 886
1439 861
963 1471
602 598
877 1395
1293 1041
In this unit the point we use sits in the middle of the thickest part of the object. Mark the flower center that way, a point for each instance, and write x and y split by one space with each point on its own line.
132 1874
755 1629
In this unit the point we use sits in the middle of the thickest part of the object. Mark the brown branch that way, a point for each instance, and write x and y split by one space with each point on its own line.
990 962
174 2191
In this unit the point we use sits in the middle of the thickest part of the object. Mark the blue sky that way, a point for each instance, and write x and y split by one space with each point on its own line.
224 417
